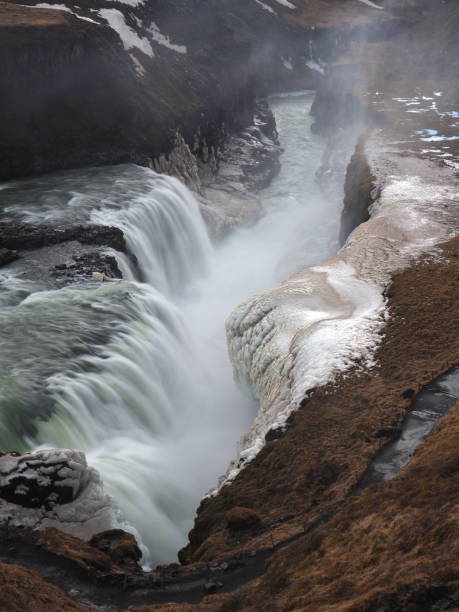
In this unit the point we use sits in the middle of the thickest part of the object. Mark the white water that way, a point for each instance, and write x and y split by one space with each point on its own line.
156 410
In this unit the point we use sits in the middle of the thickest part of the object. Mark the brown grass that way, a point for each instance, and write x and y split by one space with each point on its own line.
24 591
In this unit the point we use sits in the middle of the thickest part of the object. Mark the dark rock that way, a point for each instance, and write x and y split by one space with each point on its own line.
359 194
7 256
121 547
24 236
85 266
273 434
212 586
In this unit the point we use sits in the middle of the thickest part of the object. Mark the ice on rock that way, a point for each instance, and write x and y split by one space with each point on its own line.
329 318
53 488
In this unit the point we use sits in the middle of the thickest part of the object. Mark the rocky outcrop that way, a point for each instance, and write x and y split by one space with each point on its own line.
17 235
53 488
360 191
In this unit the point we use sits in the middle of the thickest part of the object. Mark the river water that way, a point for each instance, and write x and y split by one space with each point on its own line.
134 374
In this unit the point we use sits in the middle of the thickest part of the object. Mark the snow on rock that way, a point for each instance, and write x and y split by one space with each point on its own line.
164 40
140 70
129 37
286 3
53 488
372 4
133 3
266 7
313 65
62 7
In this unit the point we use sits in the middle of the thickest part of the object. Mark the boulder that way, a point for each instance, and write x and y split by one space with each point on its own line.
53 488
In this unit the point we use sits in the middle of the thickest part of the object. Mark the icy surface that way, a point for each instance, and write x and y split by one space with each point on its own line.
53 488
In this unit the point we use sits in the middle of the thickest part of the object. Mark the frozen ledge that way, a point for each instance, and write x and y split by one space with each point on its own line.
324 320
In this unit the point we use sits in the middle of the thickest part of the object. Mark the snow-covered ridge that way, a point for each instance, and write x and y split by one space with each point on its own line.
131 37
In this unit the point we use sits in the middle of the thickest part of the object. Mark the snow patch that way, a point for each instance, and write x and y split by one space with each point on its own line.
286 3
140 70
313 65
131 2
165 40
372 4
129 37
266 7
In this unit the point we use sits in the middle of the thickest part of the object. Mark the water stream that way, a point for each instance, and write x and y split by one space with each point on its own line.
134 374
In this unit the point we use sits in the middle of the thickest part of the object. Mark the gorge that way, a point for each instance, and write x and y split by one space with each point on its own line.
157 183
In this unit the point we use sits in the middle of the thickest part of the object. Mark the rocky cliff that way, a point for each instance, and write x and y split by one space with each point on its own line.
95 84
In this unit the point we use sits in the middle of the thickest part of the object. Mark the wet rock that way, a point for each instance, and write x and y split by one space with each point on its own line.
93 265
53 488
24 236
120 546
7 256
247 163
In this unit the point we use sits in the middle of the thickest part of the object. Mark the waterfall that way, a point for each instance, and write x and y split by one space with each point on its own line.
136 374
139 406
164 230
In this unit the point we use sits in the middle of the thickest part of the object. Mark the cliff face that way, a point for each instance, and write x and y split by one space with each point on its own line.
74 92
114 82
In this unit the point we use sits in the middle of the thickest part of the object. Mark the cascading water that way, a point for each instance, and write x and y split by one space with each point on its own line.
136 374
